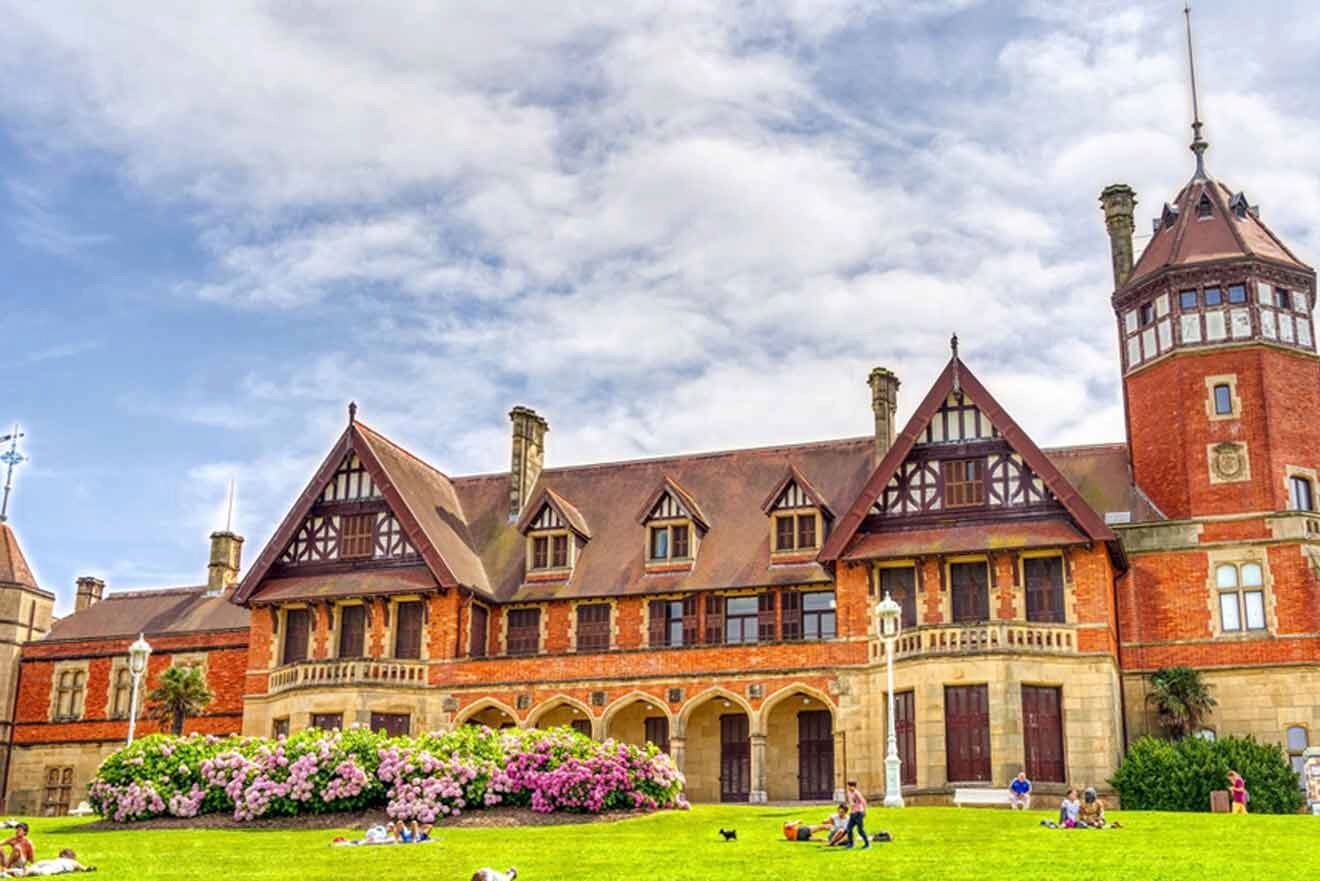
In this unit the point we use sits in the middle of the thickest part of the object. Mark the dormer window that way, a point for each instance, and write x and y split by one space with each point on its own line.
674 525
1239 205
1204 208
797 515
556 533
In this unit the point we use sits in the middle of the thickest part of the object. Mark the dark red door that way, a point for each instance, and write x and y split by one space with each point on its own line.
735 758
1042 728
582 726
391 724
657 732
815 755
905 727
967 733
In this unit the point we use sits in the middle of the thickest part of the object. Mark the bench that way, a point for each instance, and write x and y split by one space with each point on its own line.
980 797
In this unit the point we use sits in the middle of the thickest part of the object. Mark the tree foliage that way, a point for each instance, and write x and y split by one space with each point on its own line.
181 694
1162 775
1181 698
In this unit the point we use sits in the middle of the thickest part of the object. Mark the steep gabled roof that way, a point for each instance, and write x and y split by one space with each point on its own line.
682 496
421 497
792 475
166 611
1091 524
569 514
14 568
1185 237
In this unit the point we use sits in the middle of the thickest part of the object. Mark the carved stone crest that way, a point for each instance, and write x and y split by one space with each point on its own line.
1228 462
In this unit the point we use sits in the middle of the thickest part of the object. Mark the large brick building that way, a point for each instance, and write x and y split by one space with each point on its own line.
720 604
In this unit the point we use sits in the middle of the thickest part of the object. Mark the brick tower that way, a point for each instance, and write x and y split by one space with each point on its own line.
25 615
1220 374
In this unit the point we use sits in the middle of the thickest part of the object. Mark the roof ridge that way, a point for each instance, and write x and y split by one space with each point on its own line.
140 592
401 448
1081 448
660 460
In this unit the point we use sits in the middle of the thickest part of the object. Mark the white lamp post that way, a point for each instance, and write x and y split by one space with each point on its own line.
888 622
138 653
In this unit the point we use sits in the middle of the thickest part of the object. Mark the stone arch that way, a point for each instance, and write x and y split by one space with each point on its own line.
477 708
622 720
796 730
697 701
714 728
548 707
783 694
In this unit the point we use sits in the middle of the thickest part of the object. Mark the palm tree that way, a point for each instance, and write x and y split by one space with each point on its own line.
1181 698
182 692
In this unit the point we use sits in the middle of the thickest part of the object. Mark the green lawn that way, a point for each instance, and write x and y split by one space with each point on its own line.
930 844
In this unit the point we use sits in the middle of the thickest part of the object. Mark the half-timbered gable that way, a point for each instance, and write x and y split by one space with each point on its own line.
555 532
961 463
962 476
674 525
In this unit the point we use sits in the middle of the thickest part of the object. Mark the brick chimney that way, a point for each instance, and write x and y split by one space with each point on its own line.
222 571
884 401
90 591
528 457
1119 201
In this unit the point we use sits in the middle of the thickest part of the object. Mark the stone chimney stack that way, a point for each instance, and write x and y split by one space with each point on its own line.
90 591
226 555
884 401
528 457
1119 201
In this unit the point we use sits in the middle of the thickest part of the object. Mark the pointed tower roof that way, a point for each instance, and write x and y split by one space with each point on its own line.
1208 222
14 568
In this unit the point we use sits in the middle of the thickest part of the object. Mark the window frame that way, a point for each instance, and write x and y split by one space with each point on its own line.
668 529
57 791
969 492
1146 314
335 721
304 614
813 620
1222 406
121 684
983 610
358 543
524 645
1297 756
594 641
1295 503
398 613
907 597
1239 592
344 612
1057 591
747 622
484 630
794 522
550 550
69 697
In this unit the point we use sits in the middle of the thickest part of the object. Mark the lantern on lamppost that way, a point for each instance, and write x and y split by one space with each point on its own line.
138 653
888 624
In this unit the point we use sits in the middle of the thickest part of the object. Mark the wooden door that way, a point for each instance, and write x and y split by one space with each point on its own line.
967 733
657 732
1042 728
815 755
735 758
905 728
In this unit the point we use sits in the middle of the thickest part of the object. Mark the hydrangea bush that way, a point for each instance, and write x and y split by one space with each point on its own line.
424 778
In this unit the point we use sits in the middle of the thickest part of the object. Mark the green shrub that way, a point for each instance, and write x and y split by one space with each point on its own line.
1162 775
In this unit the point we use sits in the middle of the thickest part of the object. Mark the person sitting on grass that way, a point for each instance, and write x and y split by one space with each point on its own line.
838 826
1069 810
1092 814
20 849
1019 793
66 863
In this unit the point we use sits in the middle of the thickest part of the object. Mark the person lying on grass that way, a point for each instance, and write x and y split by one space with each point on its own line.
65 864
413 833
20 849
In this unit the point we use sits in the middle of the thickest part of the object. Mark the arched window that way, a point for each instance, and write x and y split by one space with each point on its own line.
1241 597
1297 740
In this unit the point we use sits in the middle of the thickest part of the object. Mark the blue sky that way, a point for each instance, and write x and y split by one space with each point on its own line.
667 226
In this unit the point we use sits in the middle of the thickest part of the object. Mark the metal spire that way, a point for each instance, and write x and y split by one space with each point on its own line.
1199 144
10 457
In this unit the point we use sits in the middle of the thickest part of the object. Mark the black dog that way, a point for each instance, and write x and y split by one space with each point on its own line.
882 837
729 834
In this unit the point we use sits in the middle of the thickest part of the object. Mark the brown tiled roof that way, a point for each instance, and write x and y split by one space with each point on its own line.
1011 536
168 611
1187 239
735 552
14 567
1102 473
369 582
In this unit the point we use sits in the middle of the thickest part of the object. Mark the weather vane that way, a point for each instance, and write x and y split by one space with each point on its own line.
10 457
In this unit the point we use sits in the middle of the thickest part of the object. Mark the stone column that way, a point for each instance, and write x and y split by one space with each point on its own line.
678 752
840 764
758 793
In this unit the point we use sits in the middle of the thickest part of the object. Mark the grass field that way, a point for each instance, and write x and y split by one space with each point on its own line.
930 844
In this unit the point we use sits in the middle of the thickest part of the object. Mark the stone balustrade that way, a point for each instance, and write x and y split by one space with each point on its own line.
993 636
348 672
